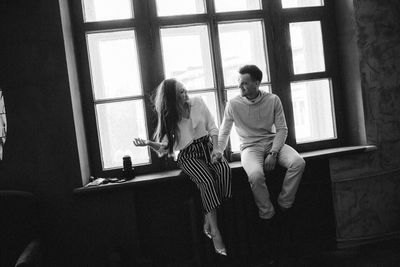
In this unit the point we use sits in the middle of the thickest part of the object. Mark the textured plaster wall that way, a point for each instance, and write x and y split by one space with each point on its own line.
368 207
379 44
366 186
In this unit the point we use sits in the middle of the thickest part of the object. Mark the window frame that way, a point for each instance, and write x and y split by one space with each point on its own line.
147 25
324 14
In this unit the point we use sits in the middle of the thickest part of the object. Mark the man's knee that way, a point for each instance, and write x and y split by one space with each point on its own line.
298 163
256 177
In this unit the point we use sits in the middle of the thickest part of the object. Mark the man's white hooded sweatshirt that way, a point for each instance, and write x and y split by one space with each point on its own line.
257 121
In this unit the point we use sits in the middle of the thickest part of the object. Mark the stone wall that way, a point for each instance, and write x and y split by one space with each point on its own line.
366 186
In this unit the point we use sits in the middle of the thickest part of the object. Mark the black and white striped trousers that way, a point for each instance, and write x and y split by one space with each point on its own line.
213 180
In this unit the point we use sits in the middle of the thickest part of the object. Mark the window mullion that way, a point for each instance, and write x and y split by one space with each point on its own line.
217 65
150 65
280 63
332 66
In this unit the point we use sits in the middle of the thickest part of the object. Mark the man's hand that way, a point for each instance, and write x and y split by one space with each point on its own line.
269 162
216 156
140 142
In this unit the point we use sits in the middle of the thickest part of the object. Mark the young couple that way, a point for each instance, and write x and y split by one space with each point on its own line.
186 125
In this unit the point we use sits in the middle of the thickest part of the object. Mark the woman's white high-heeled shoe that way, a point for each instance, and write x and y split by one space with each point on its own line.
219 251
206 228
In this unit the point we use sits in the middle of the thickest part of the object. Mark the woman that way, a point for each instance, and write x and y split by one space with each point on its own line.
186 125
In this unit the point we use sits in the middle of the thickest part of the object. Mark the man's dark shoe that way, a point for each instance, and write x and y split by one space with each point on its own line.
286 225
269 237
266 263
285 213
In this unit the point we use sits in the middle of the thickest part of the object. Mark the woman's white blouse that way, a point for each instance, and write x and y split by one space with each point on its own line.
199 124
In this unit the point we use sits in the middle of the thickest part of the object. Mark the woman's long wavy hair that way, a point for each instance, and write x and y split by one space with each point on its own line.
169 113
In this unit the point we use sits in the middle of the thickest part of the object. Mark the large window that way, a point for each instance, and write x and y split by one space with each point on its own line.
129 46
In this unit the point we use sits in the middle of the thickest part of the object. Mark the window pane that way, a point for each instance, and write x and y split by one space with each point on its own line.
237 5
307 47
99 10
235 142
241 43
301 3
114 64
118 124
187 57
313 110
179 7
209 99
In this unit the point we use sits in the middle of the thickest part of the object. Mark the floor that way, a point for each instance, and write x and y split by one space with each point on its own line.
381 254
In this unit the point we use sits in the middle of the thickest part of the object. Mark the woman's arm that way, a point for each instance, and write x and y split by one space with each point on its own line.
216 153
225 128
214 141
156 146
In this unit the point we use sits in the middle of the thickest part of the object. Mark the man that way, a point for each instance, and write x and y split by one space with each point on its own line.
260 123
256 114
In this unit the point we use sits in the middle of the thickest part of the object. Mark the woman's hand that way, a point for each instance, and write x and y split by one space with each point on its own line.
140 142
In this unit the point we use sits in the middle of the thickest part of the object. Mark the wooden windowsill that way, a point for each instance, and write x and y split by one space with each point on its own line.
176 174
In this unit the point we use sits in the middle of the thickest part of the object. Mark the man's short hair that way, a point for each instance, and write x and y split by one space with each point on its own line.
254 72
